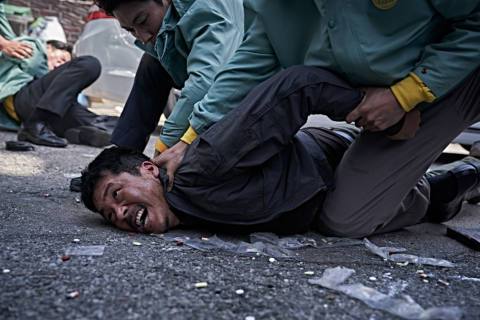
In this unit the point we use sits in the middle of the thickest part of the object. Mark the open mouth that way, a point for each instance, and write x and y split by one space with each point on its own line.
141 218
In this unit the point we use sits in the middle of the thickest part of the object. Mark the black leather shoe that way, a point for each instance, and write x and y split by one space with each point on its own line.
39 133
88 135
464 177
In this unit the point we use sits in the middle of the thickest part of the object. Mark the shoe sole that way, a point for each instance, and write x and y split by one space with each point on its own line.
88 135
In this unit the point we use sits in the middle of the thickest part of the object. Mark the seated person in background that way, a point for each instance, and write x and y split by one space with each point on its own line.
255 171
40 88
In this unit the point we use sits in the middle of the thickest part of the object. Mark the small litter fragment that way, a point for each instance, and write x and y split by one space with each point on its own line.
204 239
445 283
6 271
271 260
309 273
46 195
403 264
76 240
425 280
392 254
249 318
199 285
372 279
239 292
77 200
72 175
404 307
85 251
465 278
73 295
65 258
420 271
136 243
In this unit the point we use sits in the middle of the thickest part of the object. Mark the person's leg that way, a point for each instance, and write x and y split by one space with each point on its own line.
58 90
373 183
144 106
43 103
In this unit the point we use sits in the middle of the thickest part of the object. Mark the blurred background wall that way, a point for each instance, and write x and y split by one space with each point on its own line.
71 13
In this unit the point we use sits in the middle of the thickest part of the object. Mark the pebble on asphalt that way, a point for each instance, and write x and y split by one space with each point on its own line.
199 285
239 292
73 295
272 260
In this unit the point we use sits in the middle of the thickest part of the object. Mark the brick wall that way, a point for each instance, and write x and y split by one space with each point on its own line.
69 12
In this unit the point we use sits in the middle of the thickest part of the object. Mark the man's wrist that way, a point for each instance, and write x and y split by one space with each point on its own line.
411 91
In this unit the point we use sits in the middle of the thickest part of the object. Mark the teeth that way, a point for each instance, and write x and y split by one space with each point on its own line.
138 218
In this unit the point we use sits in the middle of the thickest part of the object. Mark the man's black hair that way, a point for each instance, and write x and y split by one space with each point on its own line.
110 5
114 161
59 45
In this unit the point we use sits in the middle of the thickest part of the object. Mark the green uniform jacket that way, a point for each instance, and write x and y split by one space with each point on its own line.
438 40
195 41
15 73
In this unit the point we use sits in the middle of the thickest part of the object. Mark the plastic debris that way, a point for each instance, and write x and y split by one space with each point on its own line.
392 254
6 270
85 251
404 307
372 278
465 278
239 292
73 295
76 240
136 243
309 273
199 285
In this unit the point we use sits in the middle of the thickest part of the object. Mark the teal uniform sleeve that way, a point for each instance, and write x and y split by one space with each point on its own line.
254 62
6 30
213 42
446 63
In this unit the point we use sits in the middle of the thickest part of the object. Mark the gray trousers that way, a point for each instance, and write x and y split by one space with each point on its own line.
373 183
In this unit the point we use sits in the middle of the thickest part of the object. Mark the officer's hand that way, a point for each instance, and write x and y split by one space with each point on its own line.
17 49
378 111
171 159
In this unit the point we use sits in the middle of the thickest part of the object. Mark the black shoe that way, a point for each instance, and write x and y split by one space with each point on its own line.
39 133
450 186
88 135
76 184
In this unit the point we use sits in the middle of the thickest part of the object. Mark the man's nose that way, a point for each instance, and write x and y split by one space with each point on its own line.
121 212
142 35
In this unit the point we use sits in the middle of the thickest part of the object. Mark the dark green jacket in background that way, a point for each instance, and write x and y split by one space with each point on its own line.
438 40
16 73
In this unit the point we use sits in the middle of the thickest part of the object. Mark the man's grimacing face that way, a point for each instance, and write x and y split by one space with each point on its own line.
142 19
134 203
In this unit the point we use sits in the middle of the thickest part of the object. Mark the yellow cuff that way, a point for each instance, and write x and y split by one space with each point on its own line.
411 91
10 108
189 136
160 146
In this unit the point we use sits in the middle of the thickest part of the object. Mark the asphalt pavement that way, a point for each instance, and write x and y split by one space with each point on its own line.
153 277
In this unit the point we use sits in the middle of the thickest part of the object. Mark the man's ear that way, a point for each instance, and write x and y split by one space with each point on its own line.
149 168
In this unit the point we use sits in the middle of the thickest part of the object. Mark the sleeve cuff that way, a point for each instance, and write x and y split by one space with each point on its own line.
160 146
189 136
411 91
